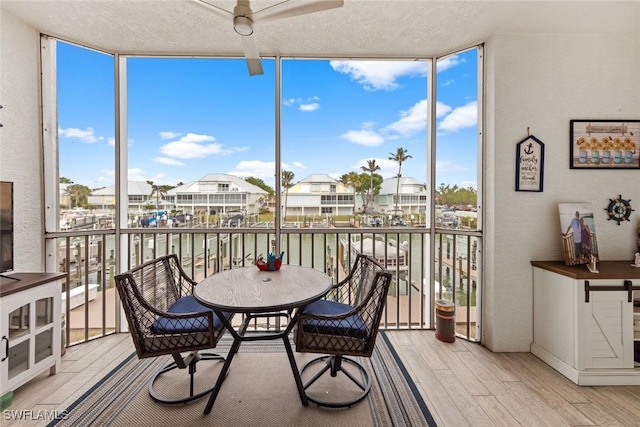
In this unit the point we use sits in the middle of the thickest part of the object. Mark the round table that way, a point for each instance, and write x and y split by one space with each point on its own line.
256 293
249 290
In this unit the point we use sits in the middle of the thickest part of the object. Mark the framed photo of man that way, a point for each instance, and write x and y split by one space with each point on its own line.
578 230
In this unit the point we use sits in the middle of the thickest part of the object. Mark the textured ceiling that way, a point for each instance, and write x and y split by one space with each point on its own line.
361 28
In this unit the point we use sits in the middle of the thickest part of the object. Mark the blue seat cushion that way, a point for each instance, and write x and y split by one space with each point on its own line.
351 326
188 304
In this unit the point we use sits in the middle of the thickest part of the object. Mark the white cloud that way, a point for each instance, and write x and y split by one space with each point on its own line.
308 104
449 62
87 135
365 136
193 146
460 118
298 165
379 75
255 168
168 161
448 167
309 107
169 135
442 109
412 121
137 174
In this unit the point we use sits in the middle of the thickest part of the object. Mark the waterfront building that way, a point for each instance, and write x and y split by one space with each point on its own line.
217 193
412 197
140 193
318 195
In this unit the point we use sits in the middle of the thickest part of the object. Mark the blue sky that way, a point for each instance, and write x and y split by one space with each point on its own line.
190 117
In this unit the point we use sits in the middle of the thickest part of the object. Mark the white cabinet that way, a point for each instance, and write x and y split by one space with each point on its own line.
30 315
583 323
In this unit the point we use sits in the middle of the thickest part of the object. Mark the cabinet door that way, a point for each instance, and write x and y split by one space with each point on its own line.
606 339
30 329
16 330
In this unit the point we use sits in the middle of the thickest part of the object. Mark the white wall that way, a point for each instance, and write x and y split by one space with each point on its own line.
541 82
20 147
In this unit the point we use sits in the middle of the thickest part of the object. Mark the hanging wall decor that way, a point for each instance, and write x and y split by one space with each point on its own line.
619 209
530 164
605 144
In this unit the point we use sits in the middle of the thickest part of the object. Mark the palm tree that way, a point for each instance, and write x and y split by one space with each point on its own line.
351 179
287 183
400 156
155 189
371 168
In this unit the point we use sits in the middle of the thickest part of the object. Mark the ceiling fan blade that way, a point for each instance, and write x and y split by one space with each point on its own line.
251 54
295 8
213 8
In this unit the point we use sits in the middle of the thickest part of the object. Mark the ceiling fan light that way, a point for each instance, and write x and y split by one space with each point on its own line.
243 25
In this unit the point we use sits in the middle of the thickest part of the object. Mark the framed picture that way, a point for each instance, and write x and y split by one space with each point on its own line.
530 164
605 144
578 230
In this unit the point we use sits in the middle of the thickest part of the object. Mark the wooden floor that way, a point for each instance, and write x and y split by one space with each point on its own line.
462 383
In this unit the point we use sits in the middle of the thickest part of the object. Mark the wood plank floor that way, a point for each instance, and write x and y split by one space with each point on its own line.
463 384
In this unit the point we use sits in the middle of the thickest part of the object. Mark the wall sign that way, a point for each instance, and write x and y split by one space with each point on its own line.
530 164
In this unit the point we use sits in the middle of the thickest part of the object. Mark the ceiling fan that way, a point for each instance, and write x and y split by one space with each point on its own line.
244 19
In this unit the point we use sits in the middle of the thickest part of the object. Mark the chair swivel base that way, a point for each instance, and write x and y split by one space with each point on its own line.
333 364
192 368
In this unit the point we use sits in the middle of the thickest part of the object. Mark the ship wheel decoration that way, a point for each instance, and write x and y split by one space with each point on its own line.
619 209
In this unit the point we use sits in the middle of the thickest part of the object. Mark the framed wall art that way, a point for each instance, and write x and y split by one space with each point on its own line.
605 144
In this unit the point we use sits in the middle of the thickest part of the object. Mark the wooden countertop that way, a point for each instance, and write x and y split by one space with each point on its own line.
608 270
26 281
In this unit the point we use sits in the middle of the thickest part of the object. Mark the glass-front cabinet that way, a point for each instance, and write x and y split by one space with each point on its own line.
30 322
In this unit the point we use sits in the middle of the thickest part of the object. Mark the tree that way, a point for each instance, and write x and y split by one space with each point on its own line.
260 183
287 183
78 195
351 180
65 180
400 156
371 168
160 191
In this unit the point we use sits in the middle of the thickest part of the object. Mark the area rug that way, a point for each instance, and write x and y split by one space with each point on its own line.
259 391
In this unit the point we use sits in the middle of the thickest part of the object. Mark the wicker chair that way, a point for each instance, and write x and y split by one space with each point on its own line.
344 323
165 318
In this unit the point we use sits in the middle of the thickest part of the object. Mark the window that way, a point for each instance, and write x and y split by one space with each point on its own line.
458 137
86 123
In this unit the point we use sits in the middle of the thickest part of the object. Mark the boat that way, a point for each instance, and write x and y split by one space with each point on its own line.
392 257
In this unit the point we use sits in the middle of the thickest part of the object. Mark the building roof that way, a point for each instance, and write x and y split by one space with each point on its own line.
222 178
319 178
134 188
389 185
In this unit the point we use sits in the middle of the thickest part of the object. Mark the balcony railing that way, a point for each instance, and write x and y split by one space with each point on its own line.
91 306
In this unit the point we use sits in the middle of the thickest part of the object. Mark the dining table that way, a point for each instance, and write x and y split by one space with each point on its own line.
260 294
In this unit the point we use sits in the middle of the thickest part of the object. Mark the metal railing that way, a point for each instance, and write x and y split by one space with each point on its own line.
90 302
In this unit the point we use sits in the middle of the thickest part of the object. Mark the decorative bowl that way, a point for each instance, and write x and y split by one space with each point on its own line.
272 263
264 266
